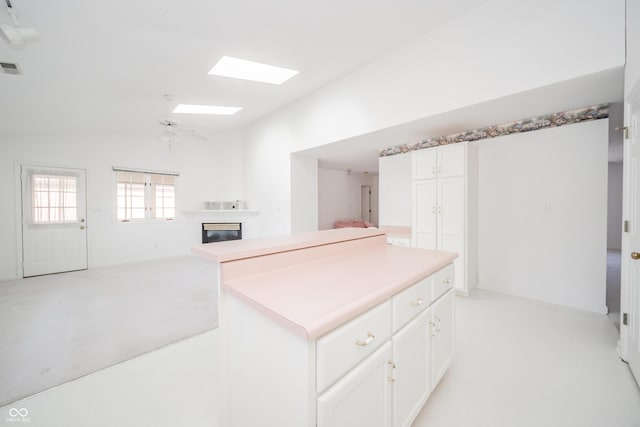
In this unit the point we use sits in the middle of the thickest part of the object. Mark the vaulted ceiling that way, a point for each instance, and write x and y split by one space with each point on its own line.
102 67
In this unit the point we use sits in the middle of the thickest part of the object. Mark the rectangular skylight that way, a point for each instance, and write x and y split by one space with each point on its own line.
249 70
205 109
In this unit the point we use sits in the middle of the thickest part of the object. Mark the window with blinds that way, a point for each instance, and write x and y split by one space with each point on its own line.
143 196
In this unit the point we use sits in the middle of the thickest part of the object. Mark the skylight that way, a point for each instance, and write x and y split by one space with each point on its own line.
249 70
205 109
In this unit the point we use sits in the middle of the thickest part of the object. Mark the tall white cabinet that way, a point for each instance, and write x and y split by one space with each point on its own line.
444 217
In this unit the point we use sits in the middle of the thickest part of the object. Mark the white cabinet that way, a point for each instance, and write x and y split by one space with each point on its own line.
340 350
362 397
411 373
444 206
442 331
392 384
374 370
440 162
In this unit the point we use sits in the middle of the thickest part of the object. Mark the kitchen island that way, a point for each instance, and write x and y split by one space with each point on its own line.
330 328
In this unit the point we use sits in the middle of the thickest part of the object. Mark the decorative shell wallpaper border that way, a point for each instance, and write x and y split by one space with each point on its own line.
594 112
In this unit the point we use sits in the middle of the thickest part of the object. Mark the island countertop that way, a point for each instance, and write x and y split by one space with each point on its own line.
313 298
312 295
240 249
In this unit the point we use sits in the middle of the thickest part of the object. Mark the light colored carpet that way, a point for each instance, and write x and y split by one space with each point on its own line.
57 328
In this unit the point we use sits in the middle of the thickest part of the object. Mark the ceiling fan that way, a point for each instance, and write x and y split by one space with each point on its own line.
174 131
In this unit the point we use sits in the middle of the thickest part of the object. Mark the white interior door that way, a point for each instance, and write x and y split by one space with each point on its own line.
451 223
54 235
424 214
630 286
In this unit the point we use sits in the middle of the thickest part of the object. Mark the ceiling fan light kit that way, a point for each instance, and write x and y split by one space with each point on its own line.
16 33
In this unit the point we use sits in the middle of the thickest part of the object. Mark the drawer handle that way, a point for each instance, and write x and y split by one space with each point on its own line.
370 337
391 379
390 363
417 302
446 281
438 322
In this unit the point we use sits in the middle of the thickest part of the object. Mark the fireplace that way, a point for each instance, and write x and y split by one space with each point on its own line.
221 231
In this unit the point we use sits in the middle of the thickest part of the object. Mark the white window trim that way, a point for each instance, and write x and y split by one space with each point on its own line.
148 219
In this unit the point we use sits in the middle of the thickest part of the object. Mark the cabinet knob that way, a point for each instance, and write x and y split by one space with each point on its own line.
446 281
417 302
367 341
391 379
390 363
438 322
635 255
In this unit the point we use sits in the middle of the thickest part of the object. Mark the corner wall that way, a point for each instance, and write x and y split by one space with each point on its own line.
543 215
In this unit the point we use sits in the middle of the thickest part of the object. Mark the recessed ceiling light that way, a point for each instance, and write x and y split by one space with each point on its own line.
205 109
249 70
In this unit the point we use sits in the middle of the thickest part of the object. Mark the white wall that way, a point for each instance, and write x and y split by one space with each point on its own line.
267 178
632 69
339 196
304 203
395 190
499 49
614 206
209 170
543 215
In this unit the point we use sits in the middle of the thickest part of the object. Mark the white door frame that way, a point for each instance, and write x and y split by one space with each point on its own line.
17 172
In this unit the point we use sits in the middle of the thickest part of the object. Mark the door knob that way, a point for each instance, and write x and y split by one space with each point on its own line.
635 255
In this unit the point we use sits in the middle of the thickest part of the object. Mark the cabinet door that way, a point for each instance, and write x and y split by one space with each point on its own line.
424 163
362 397
411 358
451 223
450 160
424 214
442 335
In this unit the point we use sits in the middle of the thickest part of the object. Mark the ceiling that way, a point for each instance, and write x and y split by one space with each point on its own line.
105 66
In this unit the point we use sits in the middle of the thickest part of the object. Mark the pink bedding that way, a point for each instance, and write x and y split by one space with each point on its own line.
352 223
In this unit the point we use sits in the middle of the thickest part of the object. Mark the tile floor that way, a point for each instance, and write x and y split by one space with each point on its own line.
525 363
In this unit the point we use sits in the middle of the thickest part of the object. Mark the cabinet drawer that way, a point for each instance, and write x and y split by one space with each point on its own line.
408 303
342 349
443 280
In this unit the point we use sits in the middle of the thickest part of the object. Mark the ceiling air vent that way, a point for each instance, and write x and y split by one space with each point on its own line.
9 68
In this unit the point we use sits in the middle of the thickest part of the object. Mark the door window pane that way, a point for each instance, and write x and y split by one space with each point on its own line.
54 198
